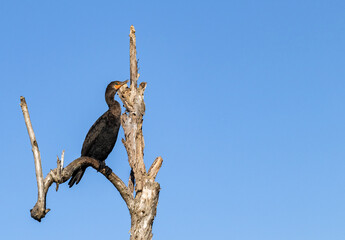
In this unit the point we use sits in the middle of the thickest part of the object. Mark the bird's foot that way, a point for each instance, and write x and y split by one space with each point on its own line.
107 169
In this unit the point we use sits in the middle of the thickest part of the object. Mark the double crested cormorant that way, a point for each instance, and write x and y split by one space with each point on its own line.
101 138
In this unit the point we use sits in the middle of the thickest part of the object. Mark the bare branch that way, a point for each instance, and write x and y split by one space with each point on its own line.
59 168
60 175
156 165
62 159
58 172
35 150
133 59
132 119
39 210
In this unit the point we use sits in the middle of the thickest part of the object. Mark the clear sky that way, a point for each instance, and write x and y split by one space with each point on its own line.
245 103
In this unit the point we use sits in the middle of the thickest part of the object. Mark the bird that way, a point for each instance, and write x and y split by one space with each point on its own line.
102 136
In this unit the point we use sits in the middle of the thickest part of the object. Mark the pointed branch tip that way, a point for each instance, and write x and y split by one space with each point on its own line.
156 165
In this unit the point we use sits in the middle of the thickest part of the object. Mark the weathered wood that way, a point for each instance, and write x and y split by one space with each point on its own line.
156 165
133 60
146 189
132 118
39 211
37 157
144 212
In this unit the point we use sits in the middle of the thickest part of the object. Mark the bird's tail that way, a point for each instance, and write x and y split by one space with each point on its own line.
76 177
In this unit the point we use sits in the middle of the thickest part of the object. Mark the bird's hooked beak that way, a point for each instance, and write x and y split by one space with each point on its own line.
120 84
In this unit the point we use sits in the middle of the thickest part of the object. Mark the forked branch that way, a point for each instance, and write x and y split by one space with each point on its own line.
60 175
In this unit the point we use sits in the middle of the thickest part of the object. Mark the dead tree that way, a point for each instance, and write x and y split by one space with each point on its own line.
141 194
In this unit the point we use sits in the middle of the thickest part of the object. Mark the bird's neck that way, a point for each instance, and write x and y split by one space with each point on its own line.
114 106
109 98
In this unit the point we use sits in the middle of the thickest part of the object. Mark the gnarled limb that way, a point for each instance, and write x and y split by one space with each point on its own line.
39 210
60 175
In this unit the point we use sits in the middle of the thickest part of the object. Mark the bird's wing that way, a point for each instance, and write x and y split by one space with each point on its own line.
94 133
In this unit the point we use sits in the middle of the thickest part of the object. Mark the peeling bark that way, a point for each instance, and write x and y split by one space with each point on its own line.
144 211
146 189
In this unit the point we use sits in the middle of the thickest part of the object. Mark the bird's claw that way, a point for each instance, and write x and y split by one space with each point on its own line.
107 169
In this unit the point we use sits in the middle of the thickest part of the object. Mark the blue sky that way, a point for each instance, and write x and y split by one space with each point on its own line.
245 103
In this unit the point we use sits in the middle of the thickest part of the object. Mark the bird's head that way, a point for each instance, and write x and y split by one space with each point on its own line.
116 85
111 91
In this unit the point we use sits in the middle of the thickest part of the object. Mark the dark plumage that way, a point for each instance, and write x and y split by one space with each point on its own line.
101 138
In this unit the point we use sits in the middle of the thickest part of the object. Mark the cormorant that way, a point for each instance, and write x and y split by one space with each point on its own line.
101 138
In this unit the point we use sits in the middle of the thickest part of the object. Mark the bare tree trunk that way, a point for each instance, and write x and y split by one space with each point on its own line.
142 193
144 211
146 189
